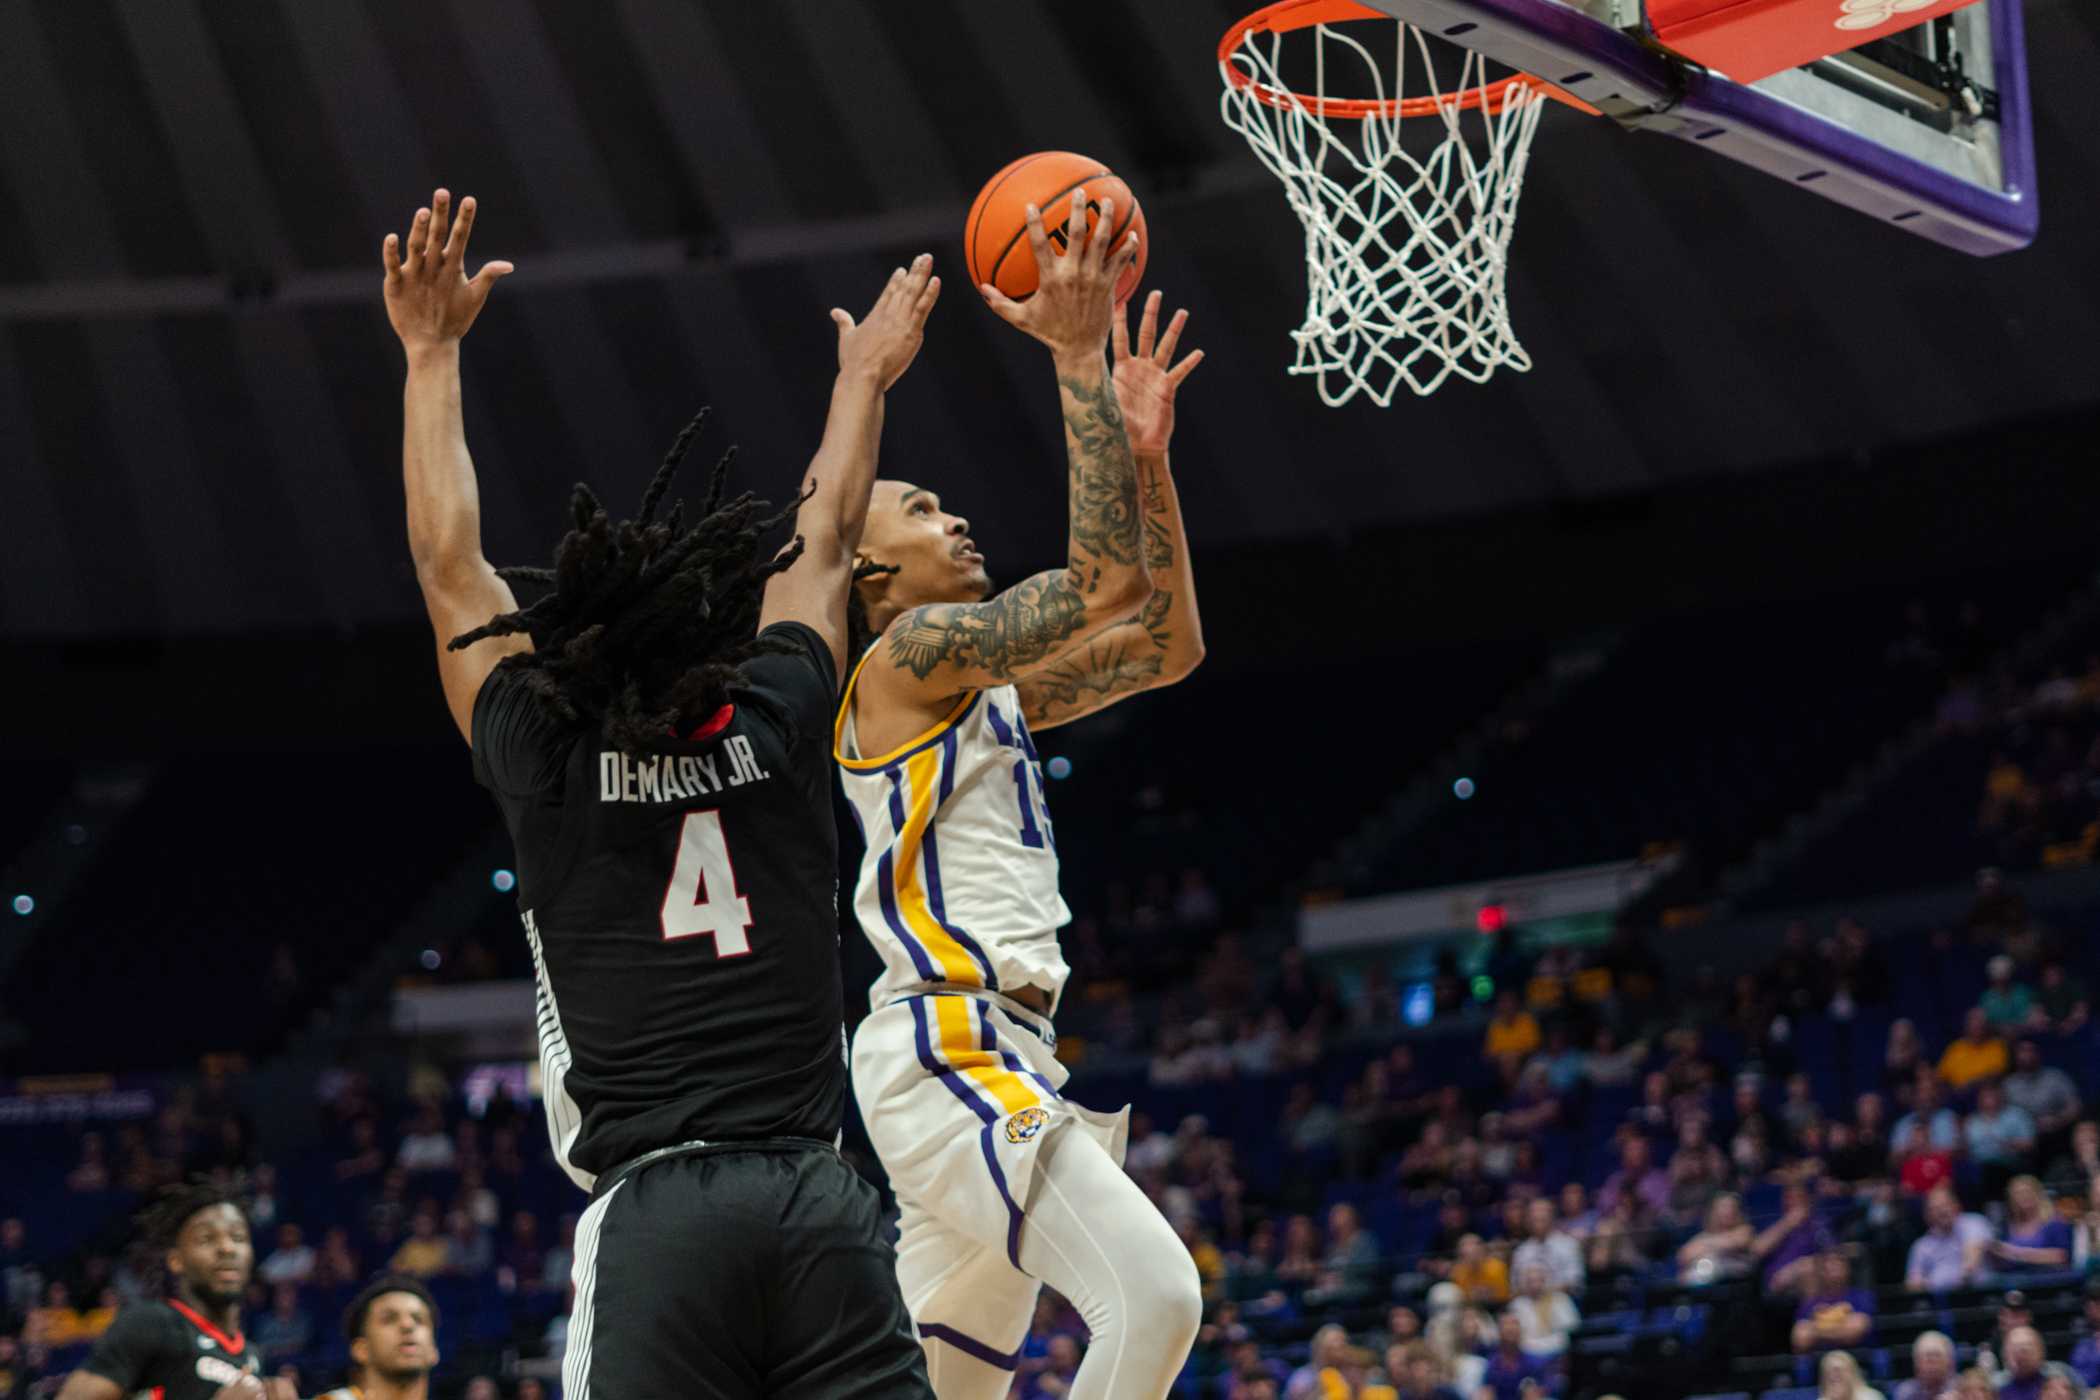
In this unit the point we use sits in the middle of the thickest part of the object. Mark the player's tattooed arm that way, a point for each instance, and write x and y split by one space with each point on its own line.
1163 643
939 649
995 641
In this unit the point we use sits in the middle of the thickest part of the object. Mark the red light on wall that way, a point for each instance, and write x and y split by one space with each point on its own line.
1491 918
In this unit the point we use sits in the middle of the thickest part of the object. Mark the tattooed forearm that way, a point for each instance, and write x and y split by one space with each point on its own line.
1104 475
1153 618
1159 534
1017 628
1105 669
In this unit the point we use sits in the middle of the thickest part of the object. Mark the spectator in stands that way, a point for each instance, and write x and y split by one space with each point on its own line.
293 1261
338 1265
1638 1177
1788 1248
1480 1276
1799 1108
285 1330
425 1252
2000 1137
20 1281
2060 1001
55 1322
1697 1172
1974 1384
1722 1249
561 1260
1619 1242
1544 1313
1349 1271
1979 1053
1300 1262
1418 1378
1929 1111
483 1388
1512 1034
1456 1333
1947 1254
1576 1216
2046 1094
1921 1166
2034 1239
426 1147
1060 1368
365 1158
469 1252
1610 1065
2006 1002
1509 1365
90 1176
1903 1057
2085 1356
523 1259
1325 1355
1834 1314
1838 1378
1310 1123
1932 1368
2026 1368
2081 1162
2062 1385
1548 1247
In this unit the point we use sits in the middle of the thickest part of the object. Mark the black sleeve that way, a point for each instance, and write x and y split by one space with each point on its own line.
804 682
519 748
126 1352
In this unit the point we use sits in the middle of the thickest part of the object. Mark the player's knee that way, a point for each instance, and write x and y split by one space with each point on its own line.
1169 1305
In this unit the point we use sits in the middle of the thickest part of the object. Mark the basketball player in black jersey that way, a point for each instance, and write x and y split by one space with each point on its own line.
656 731
188 1346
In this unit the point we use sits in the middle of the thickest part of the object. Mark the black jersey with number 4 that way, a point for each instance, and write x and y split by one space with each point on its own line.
171 1352
682 909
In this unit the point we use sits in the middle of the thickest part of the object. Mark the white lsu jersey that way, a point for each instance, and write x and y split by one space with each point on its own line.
958 884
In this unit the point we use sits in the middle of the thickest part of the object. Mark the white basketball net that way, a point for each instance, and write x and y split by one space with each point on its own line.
1405 254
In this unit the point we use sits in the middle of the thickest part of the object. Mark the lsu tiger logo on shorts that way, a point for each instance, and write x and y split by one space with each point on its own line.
1026 1124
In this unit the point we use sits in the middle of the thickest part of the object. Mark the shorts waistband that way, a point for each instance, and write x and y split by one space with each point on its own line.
702 1147
1024 1018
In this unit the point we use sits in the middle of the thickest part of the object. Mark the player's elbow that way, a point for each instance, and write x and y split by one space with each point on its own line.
1120 595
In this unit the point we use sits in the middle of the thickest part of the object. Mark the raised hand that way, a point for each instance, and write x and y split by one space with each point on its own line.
1147 380
429 298
1074 302
885 342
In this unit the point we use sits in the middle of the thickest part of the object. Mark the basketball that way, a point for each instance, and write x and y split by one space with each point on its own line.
995 236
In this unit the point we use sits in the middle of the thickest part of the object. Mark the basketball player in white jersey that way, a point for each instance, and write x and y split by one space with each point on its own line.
391 1327
1000 1181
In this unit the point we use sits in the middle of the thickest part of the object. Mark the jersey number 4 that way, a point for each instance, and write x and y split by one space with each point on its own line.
703 896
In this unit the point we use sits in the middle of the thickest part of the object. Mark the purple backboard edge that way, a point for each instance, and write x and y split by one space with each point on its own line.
1598 63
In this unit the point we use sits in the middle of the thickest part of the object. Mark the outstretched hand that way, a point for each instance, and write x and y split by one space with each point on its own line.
1147 380
887 339
1074 300
429 298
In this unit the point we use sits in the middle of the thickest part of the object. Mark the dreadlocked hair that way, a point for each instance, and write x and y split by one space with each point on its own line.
161 1222
648 619
860 635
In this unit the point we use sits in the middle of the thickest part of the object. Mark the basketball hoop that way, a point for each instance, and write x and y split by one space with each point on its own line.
1406 253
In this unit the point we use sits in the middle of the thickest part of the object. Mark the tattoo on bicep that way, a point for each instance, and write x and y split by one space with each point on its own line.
1017 628
1104 475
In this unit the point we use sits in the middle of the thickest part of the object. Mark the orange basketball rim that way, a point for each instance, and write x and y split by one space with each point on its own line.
1285 16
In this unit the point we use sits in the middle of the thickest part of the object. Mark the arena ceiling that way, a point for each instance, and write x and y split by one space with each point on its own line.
199 394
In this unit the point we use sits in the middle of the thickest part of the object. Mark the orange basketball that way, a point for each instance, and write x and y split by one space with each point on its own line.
995 236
